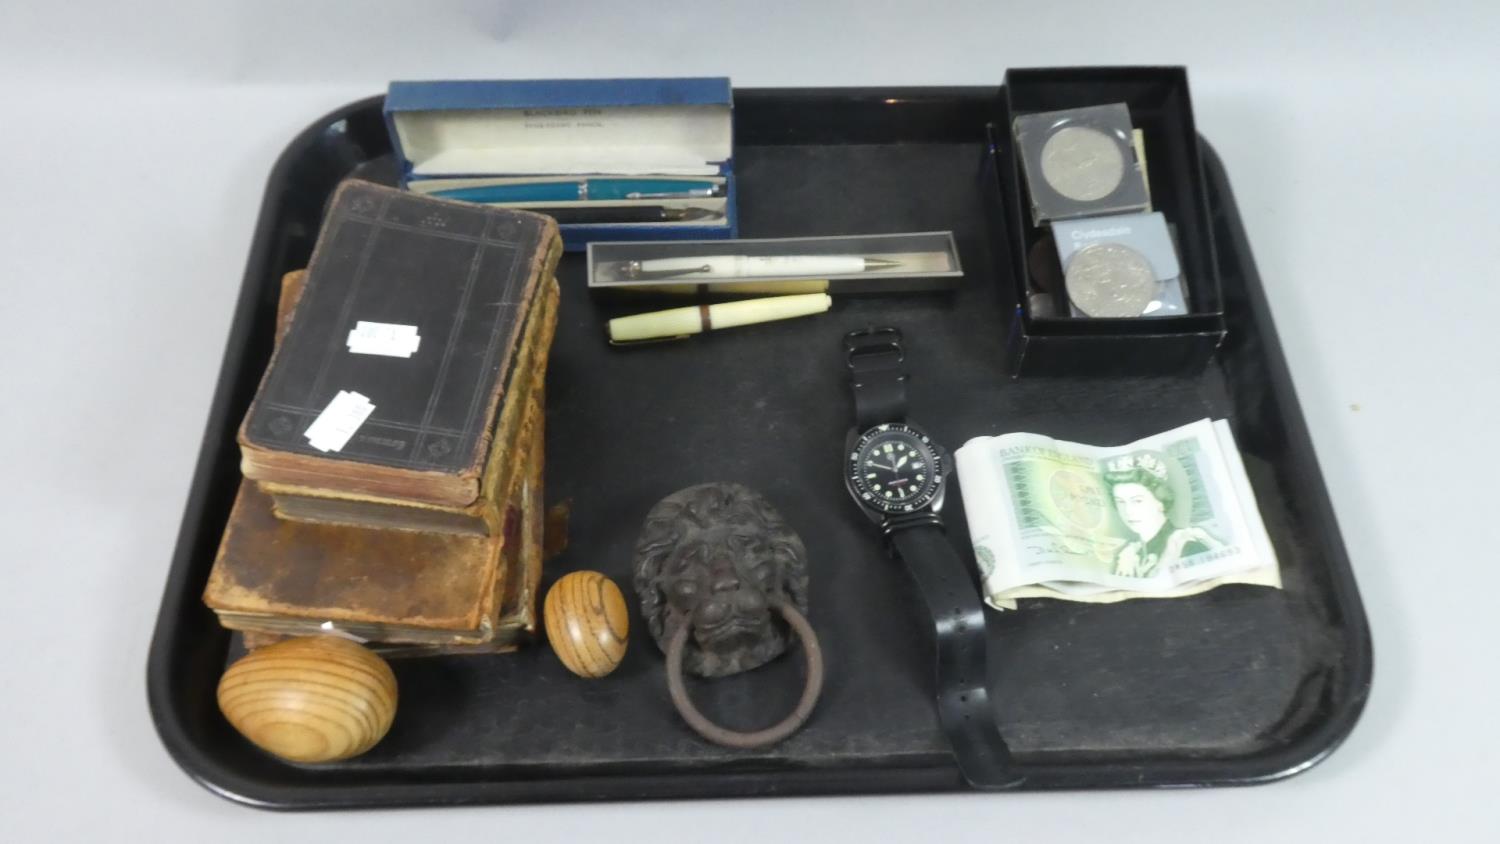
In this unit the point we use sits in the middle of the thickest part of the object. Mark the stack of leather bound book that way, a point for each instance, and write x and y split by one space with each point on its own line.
392 456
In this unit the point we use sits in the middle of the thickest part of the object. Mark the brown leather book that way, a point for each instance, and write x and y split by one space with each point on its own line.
486 514
443 290
518 591
406 592
284 577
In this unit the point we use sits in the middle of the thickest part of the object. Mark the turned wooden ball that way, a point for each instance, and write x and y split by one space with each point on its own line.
587 623
314 699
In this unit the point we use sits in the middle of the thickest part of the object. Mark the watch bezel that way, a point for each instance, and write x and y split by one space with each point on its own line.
925 501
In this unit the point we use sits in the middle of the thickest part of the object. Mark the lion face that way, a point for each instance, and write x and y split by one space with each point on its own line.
715 555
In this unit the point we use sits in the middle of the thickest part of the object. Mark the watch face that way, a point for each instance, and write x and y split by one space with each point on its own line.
895 468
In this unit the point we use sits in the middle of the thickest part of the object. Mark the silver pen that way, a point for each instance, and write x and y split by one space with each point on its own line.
692 193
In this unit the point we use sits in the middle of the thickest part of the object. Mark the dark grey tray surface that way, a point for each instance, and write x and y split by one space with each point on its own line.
1238 685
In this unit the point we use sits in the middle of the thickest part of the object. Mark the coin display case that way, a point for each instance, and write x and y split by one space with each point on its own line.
1043 335
1238 685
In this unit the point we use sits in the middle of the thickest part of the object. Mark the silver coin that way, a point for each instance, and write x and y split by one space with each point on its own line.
1110 280
1082 164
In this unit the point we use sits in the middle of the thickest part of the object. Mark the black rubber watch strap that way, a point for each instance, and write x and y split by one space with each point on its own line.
878 376
963 701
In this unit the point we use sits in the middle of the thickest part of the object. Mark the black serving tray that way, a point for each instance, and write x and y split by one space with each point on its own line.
1238 685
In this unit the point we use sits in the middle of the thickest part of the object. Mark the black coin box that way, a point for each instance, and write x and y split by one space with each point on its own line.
1040 343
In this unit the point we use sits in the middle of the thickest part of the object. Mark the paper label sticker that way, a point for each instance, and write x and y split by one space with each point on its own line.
339 420
329 628
383 338
1145 233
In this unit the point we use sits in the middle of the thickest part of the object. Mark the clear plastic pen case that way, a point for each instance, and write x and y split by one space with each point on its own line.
883 263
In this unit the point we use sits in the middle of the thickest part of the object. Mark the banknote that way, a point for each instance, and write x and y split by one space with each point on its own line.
1169 515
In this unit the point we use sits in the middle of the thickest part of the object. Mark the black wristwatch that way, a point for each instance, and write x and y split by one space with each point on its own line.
897 474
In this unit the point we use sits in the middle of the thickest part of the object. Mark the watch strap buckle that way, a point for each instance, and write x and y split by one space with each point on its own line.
865 343
878 377
903 521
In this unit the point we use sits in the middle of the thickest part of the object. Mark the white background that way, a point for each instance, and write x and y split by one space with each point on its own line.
1364 147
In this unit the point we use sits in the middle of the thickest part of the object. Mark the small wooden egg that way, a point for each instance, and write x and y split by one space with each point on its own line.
313 699
587 623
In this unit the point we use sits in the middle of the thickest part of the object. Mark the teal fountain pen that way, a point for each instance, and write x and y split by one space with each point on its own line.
584 189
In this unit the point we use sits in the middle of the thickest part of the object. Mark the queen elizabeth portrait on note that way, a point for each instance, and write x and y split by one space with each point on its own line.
1143 495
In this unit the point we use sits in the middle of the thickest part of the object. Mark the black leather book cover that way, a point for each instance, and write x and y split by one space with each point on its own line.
457 276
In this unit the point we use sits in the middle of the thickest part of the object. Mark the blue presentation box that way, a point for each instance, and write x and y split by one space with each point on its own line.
553 133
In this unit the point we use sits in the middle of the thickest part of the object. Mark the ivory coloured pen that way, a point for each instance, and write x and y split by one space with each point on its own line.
680 322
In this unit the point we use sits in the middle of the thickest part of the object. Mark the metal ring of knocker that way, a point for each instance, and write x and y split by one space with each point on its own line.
759 738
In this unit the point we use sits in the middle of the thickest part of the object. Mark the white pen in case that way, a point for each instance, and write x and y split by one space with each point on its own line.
679 322
755 266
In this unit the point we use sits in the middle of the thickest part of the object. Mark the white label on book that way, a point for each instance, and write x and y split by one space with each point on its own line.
383 338
339 420
328 628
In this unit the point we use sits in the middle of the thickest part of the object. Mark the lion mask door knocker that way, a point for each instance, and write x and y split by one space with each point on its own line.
714 566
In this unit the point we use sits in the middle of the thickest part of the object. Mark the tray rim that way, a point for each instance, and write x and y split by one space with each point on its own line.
200 764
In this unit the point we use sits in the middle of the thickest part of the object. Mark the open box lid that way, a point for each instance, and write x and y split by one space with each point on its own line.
561 126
